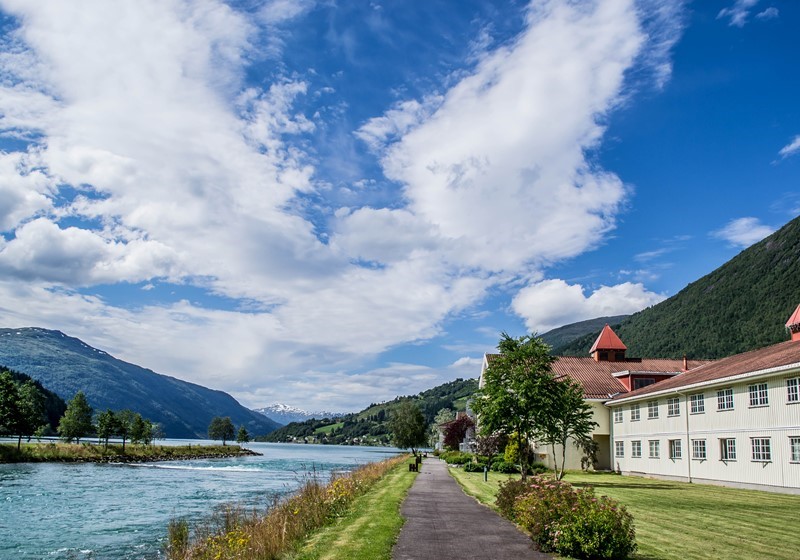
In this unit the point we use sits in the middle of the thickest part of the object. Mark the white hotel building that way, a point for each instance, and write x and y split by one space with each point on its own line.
735 421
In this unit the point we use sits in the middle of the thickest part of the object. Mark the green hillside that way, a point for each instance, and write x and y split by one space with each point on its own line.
568 333
371 425
742 305
67 365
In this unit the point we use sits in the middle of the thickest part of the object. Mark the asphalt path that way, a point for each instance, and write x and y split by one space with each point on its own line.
443 523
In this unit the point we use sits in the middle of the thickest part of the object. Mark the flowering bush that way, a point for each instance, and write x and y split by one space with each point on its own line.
570 522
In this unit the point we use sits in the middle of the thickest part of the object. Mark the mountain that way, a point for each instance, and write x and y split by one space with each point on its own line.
566 334
285 414
371 425
67 365
740 306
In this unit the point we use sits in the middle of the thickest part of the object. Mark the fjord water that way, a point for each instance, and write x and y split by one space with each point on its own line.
96 511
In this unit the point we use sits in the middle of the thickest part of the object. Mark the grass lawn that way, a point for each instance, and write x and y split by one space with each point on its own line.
370 529
677 520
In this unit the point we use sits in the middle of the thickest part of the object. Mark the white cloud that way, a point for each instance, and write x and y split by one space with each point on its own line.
738 13
743 232
791 148
187 173
553 303
769 13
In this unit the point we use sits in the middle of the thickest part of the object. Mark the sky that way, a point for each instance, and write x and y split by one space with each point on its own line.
328 204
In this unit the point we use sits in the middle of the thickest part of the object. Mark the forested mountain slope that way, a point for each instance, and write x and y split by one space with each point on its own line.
740 306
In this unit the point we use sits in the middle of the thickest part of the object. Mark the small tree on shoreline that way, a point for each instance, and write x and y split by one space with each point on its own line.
77 420
408 428
221 428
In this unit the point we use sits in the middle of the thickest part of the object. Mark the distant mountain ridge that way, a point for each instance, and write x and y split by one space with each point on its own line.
285 414
66 365
740 306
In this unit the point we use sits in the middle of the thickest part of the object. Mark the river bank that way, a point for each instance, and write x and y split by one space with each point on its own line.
93 453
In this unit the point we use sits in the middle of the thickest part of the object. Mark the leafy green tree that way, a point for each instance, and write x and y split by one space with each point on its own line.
242 436
567 416
31 411
516 392
9 405
125 419
77 420
107 426
221 428
141 430
408 428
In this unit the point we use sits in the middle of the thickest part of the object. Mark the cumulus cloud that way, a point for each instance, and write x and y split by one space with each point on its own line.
743 232
553 303
791 148
153 159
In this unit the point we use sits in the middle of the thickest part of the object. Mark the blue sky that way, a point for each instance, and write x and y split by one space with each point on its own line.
329 204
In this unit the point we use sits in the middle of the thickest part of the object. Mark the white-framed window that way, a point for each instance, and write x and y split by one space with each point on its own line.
725 399
675 451
698 449
652 410
619 448
793 390
617 415
727 449
634 412
636 448
655 448
674 407
698 403
794 448
758 394
762 449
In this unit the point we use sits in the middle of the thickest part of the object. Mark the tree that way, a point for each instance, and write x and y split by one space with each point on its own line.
455 430
107 426
31 411
125 419
490 444
408 428
77 420
9 405
221 428
242 436
515 394
141 430
442 417
568 416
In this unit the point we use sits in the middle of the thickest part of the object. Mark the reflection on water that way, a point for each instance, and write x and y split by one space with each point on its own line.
99 511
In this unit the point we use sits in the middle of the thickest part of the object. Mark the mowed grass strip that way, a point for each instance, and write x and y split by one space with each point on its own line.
677 520
370 529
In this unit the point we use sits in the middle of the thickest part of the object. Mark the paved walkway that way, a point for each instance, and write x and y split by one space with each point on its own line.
443 523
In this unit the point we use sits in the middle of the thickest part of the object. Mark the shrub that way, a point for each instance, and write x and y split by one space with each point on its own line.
570 522
508 493
456 457
597 528
539 468
474 467
505 468
539 510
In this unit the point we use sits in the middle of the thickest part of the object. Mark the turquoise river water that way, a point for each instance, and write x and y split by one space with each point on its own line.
93 511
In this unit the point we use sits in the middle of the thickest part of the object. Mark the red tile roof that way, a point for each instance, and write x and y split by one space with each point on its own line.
597 378
607 340
781 354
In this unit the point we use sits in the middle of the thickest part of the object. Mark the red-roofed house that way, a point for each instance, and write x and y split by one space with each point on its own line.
606 372
734 422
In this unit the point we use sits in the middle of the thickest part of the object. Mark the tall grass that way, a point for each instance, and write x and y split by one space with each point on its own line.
235 533
67 452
